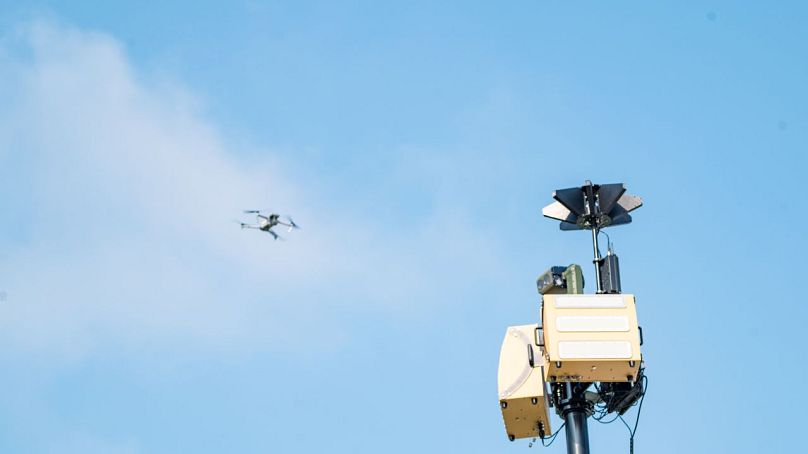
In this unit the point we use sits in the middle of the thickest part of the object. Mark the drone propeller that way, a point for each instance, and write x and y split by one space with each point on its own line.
292 224
252 211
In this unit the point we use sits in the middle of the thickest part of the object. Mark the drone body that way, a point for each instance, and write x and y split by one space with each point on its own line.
265 223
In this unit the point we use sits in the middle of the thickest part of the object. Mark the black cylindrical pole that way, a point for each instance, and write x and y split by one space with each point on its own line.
597 258
577 432
574 408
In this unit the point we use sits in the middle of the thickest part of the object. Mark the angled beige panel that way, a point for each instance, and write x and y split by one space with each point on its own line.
591 338
521 385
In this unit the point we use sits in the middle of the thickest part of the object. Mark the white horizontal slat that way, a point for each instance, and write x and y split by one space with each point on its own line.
594 349
592 323
589 302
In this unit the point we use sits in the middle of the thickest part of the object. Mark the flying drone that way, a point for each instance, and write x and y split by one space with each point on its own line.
266 222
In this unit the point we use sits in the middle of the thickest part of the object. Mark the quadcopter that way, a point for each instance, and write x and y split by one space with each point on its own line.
266 222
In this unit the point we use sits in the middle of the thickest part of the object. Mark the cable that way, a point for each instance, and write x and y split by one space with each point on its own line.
552 437
637 420
600 420
608 240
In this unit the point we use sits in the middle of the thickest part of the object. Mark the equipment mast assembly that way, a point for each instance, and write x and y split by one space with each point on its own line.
582 339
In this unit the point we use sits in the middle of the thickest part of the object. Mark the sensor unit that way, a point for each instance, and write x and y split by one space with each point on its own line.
521 385
590 338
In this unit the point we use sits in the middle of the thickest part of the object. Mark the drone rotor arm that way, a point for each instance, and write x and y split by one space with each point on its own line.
292 223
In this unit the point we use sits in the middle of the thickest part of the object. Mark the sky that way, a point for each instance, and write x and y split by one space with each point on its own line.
415 143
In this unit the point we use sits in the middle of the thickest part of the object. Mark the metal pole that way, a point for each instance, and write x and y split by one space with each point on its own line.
574 409
577 432
597 258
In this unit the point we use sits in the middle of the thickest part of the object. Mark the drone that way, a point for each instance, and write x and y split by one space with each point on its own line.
266 222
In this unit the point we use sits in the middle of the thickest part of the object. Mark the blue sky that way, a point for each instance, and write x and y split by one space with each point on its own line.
416 143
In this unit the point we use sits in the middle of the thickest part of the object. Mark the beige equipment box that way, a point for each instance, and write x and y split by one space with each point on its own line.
589 338
521 384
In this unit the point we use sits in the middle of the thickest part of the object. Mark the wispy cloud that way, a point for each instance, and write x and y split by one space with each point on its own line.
123 235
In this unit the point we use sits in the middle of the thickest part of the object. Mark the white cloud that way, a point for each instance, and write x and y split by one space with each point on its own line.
128 240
